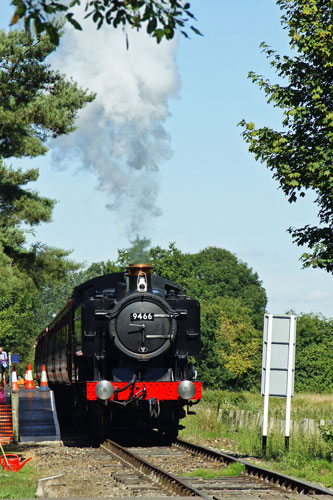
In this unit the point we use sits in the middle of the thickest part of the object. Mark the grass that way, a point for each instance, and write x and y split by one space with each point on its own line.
313 406
21 484
308 458
232 470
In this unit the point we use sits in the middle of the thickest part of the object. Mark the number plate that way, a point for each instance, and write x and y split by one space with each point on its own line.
142 316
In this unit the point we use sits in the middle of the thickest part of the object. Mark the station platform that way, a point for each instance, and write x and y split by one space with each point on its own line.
37 416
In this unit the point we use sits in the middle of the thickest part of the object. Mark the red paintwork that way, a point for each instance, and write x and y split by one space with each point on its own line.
163 391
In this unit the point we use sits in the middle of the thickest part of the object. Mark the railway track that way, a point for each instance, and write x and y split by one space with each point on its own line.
258 473
158 463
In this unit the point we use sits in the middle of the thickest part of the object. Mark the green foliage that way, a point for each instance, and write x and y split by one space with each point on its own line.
314 354
174 265
300 156
326 432
239 343
137 253
161 19
222 274
35 102
232 470
212 371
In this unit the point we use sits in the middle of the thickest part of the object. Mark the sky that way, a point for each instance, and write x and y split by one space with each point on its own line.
159 153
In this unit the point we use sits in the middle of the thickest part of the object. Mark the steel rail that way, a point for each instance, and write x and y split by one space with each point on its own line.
254 471
170 481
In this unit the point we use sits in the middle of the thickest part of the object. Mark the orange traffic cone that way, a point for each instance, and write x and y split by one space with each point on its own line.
15 386
43 381
29 386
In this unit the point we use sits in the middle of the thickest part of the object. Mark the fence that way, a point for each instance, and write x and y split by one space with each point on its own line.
243 418
6 425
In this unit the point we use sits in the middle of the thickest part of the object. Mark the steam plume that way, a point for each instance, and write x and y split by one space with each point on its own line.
121 135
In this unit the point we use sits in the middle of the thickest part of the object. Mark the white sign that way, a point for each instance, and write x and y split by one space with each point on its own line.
278 355
278 364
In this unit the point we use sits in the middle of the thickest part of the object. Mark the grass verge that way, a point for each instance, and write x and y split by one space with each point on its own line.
232 470
21 484
309 457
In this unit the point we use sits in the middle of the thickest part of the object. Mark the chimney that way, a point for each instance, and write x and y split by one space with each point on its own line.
140 277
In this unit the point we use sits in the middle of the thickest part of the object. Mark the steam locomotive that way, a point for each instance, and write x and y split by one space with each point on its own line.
118 353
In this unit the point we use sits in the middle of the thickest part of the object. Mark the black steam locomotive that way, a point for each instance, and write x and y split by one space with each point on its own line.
118 353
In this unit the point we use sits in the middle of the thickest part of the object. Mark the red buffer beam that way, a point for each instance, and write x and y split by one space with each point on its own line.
163 391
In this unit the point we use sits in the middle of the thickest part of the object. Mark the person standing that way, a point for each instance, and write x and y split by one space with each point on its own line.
3 363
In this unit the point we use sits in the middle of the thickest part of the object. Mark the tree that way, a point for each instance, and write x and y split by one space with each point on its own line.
35 102
239 343
138 252
161 18
300 156
174 265
19 209
314 353
222 274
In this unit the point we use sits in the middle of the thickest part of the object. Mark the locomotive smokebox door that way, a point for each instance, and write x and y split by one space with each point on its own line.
143 326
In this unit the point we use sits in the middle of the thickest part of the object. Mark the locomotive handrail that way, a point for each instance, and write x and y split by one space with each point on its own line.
132 382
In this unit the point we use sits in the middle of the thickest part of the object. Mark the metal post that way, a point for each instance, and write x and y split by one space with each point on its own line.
289 378
267 380
15 416
10 371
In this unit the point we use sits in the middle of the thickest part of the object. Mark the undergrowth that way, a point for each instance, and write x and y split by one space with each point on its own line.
309 457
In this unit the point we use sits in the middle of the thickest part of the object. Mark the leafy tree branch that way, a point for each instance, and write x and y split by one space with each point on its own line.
160 18
300 155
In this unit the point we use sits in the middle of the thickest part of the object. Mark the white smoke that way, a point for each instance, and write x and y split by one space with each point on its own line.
121 134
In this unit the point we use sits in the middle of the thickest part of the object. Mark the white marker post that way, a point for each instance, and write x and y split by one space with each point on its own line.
267 379
289 379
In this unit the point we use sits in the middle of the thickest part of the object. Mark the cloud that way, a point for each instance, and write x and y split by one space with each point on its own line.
121 136
318 296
